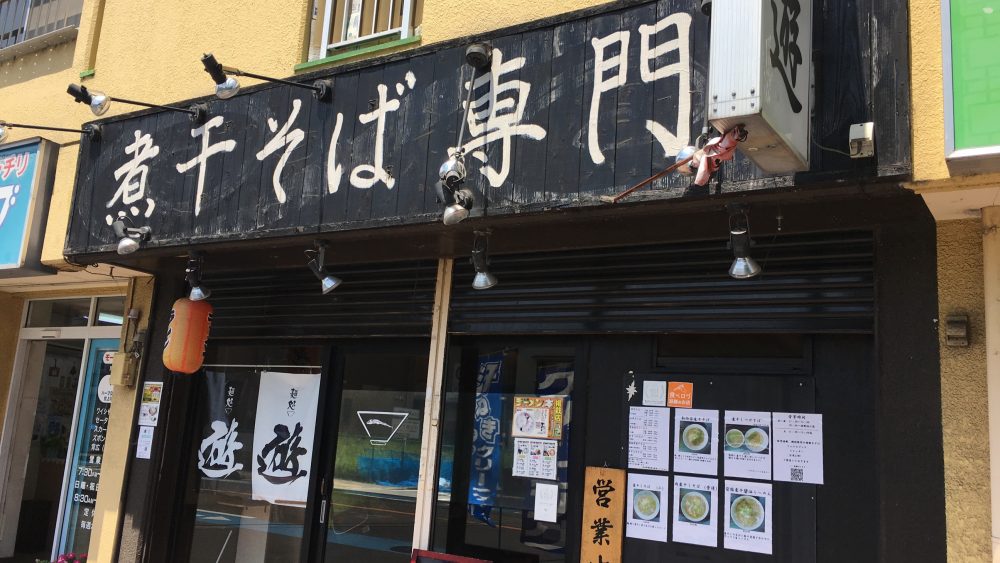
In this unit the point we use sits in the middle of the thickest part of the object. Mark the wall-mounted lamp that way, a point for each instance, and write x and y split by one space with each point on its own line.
193 273
129 238
956 331
744 266
93 131
317 265
226 86
99 103
481 261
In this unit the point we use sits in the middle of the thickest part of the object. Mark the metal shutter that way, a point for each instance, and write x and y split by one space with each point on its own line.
810 283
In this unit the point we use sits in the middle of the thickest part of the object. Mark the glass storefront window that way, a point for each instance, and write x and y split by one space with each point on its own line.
495 451
58 312
254 444
377 460
110 311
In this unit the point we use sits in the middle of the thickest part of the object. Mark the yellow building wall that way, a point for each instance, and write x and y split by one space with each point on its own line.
963 393
448 19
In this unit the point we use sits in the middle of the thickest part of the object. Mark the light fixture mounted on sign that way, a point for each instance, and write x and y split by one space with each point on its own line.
743 267
457 200
129 238
91 130
99 103
226 86
193 273
317 265
481 261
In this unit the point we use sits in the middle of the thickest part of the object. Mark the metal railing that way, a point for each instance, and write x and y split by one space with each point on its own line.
21 20
350 22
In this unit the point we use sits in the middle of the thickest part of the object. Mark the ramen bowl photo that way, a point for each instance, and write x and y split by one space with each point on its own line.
747 513
694 506
734 438
756 440
646 504
695 437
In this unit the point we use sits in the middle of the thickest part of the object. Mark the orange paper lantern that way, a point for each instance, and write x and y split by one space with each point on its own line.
187 333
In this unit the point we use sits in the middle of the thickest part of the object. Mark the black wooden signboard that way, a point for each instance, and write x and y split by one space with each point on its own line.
569 110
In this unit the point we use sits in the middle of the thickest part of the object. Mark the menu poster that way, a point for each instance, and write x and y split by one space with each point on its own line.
798 447
603 514
746 443
645 517
649 438
748 525
696 441
538 417
546 502
696 504
535 459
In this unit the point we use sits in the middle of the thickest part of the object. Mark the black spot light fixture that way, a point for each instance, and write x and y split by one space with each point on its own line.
317 265
99 103
193 272
93 131
481 262
129 238
226 86
743 267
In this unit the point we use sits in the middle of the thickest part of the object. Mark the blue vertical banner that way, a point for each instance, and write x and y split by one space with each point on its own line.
484 476
17 188
92 415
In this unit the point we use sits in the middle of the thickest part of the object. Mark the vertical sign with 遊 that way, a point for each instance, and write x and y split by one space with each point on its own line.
603 515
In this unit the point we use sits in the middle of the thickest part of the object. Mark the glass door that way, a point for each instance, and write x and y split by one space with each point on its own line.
374 452
507 441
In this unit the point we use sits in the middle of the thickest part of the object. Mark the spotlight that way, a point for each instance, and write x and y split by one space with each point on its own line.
688 168
479 56
92 131
453 169
743 267
480 261
318 267
706 7
198 291
129 238
99 103
226 86
457 201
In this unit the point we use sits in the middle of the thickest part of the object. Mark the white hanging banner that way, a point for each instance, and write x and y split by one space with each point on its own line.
283 436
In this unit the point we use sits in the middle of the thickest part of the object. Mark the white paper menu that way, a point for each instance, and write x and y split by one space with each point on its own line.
746 443
646 510
696 441
798 447
696 510
748 516
649 438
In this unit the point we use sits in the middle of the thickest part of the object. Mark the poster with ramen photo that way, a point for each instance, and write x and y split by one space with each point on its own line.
747 525
696 441
646 507
746 443
696 510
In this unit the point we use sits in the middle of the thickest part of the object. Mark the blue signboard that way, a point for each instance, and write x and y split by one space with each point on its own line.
17 190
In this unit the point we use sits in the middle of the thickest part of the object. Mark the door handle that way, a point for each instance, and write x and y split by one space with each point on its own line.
322 512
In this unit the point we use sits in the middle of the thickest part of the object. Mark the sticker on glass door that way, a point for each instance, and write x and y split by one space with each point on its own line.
381 426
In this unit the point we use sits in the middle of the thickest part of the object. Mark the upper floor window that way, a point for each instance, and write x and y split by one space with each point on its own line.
970 41
344 25
23 20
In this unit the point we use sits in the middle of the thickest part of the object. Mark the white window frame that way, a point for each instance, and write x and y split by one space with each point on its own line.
403 31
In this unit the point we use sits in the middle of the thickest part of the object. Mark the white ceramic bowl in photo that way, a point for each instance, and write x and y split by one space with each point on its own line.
655 506
694 518
758 513
764 440
686 436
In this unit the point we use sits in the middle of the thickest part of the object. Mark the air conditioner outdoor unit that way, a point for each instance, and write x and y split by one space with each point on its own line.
760 76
